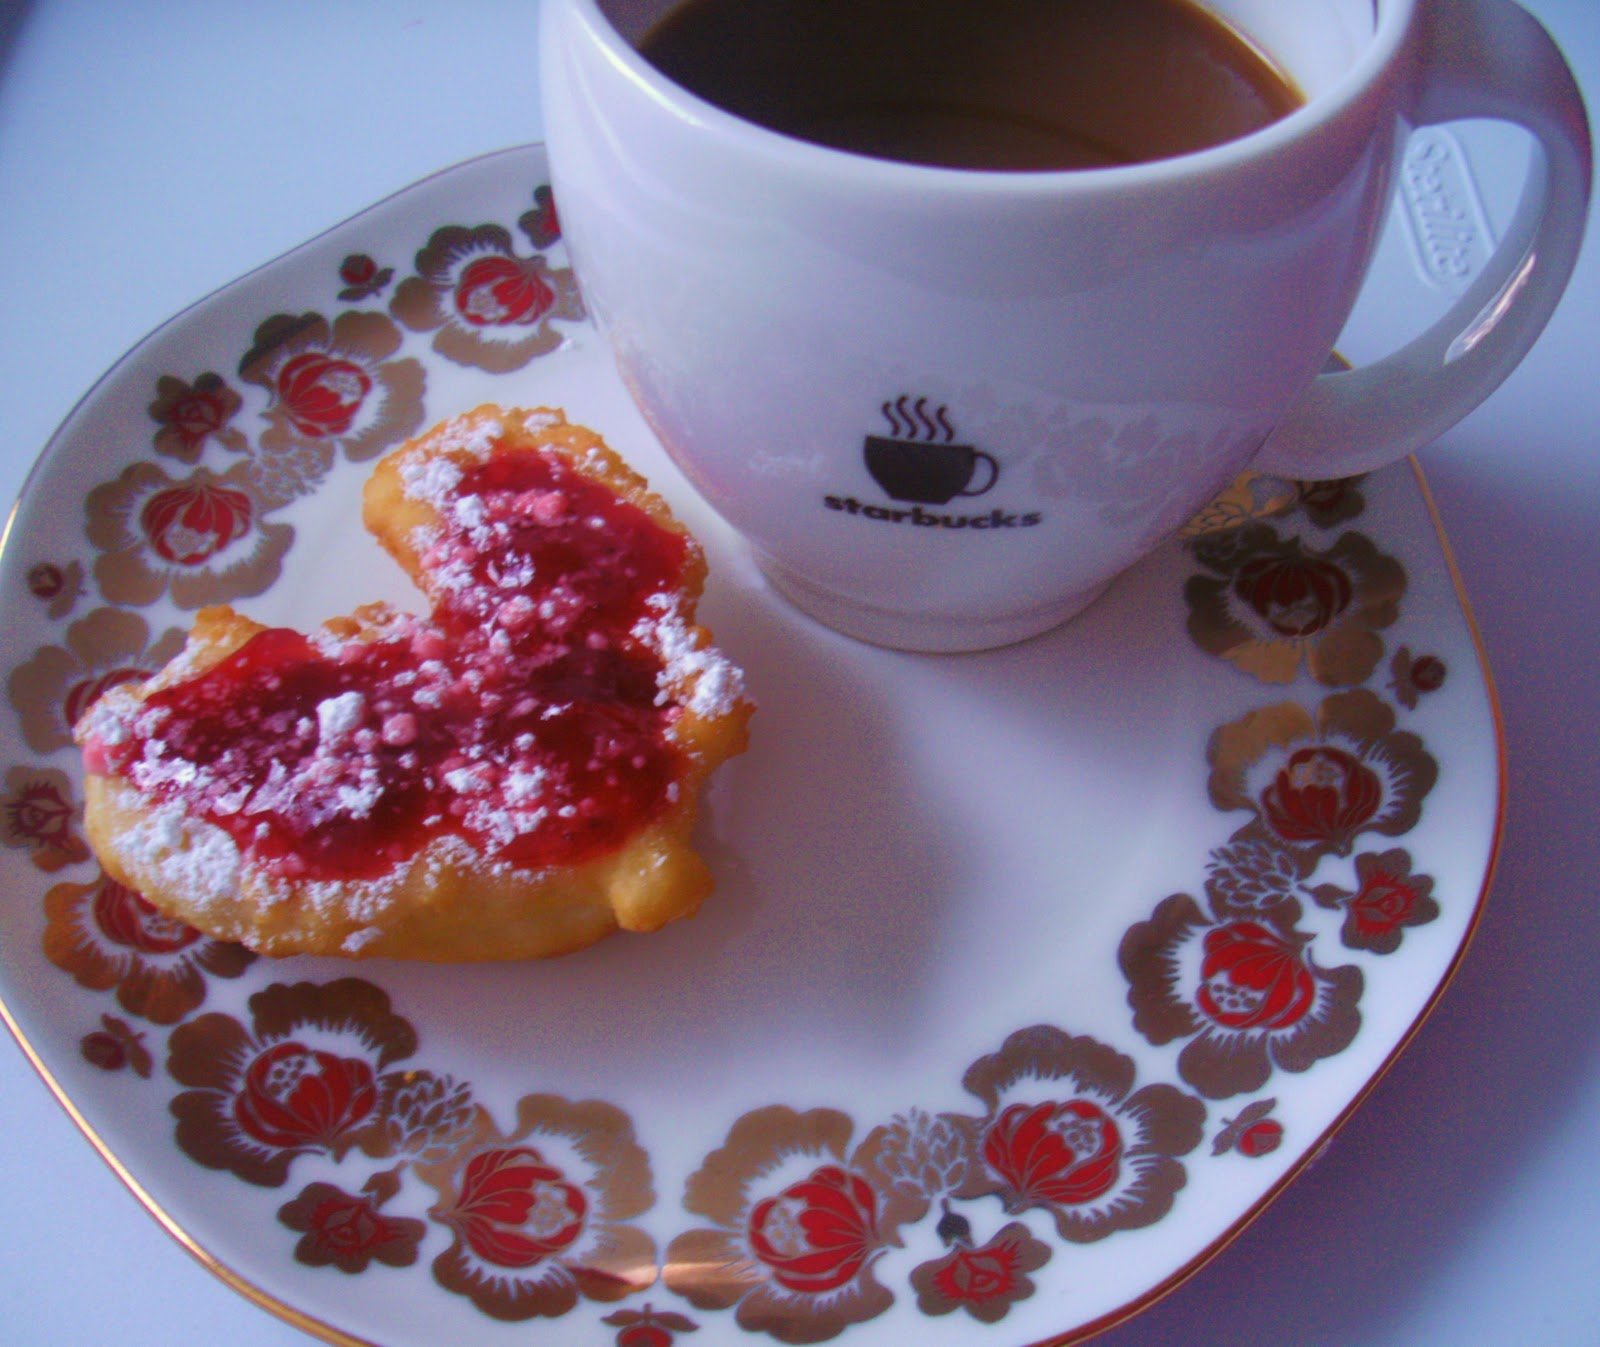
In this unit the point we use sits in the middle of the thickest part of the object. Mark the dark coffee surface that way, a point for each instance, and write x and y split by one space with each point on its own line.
1001 84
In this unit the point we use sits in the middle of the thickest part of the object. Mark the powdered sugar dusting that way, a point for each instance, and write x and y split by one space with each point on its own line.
338 717
716 684
188 855
430 480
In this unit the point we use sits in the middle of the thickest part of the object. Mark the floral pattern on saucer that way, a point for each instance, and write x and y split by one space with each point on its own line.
797 1224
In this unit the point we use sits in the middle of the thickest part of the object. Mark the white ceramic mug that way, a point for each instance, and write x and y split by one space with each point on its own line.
947 406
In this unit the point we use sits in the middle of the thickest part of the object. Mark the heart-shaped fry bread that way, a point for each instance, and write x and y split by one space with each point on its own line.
513 775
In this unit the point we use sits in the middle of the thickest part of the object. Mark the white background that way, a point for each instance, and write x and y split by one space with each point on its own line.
153 150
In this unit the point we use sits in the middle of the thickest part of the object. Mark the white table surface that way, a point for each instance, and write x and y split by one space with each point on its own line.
155 150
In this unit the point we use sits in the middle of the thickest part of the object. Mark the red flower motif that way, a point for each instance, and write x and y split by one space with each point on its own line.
1260 1138
974 1275
362 277
1294 594
1277 608
108 937
1055 1154
1384 903
798 1219
190 414
347 1227
338 387
129 919
46 580
357 269
107 646
985 1281
322 393
199 414
816 1235
40 815
487 306
1389 898
498 291
1322 795
199 540
1252 977
1245 994
1428 673
1413 676
347 1232
37 814
307 1075
292 1096
1317 777
515 1210
1065 1129
190 523
537 1228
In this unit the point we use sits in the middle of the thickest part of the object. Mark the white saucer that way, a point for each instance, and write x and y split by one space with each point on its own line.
1030 977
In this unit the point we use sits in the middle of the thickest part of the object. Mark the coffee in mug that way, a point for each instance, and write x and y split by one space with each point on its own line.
1095 351
986 84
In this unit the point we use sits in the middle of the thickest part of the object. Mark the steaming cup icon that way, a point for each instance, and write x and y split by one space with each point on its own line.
920 461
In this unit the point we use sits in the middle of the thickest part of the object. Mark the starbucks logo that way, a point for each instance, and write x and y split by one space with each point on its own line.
922 462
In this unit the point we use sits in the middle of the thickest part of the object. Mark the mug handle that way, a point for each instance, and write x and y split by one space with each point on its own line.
1476 58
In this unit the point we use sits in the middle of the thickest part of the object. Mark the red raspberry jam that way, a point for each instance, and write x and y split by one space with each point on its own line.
525 715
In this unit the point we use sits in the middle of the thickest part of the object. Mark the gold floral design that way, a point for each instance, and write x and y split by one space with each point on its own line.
540 1215
1413 677
486 306
795 1218
1317 779
363 278
1245 994
308 1075
59 587
1065 1131
1256 878
427 1116
984 1279
188 415
921 1158
351 1231
541 223
117 1044
1331 501
1277 605
1252 1132
105 647
1254 496
199 539
109 937
1250 496
797 1222
39 814
648 1326
340 384
1387 898
290 471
